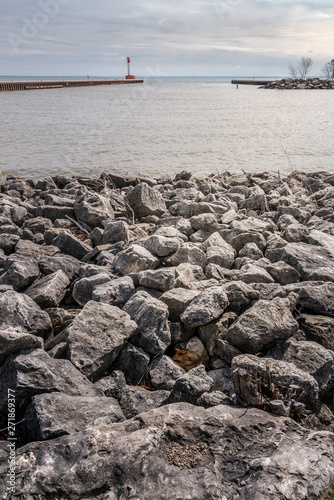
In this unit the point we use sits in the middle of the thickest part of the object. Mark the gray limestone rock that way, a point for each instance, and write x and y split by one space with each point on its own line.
69 265
19 313
97 336
133 362
251 250
187 274
206 222
282 273
112 385
177 300
162 246
93 209
150 314
208 306
318 329
50 290
251 273
137 400
134 259
160 279
164 372
11 342
20 272
8 242
70 245
239 295
188 253
316 296
261 325
52 415
190 386
145 200
116 292
83 289
115 231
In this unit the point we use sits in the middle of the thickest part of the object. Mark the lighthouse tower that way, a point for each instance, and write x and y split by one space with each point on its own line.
129 76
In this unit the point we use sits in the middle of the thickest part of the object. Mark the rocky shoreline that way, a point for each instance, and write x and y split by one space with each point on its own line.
300 84
168 338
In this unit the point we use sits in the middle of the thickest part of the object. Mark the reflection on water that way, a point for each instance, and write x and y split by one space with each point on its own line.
201 125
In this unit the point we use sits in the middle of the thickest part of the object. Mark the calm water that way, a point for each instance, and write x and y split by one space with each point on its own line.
163 126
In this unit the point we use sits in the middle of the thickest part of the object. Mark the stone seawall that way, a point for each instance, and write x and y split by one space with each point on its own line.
301 84
168 338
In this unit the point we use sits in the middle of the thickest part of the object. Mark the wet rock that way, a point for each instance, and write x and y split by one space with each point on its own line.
19 313
137 400
116 292
133 362
162 246
145 201
160 279
93 209
134 259
208 306
164 372
282 376
177 300
190 386
11 342
83 289
97 336
52 415
70 245
50 290
261 325
316 296
150 314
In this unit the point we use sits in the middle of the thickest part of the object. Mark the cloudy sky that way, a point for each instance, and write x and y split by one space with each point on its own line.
163 37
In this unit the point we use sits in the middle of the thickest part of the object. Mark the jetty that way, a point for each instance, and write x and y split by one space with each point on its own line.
251 82
59 84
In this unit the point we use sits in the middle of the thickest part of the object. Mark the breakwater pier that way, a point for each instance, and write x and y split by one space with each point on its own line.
251 82
57 84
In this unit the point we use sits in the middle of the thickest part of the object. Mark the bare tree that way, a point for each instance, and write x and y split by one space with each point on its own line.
328 70
302 68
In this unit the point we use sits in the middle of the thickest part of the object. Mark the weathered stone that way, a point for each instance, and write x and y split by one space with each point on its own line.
187 274
190 386
251 250
269 291
134 259
282 273
173 232
8 242
319 329
83 289
93 209
251 273
69 265
97 336
150 314
210 399
116 292
180 333
50 290
239 295
195 346
19 313
261 325
177 300
20 272
315 295
164 372
206 222
70 245
161 245
54 212
220 257
11 342
133 362
113 385
52 415
208 306
226 351
282 376
137 400
145 201
33 372
188 253
160 279
116 230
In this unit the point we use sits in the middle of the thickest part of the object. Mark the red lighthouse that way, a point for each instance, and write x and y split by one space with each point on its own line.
129 76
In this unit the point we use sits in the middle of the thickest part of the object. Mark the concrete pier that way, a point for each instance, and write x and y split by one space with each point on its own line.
251 82
59 84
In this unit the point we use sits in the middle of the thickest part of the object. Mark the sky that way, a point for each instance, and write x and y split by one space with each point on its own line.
164 38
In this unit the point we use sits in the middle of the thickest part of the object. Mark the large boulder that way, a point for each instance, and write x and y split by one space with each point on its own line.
11 342
316 296
52 415
151 316
83 289
96 337
19 313
116 292
71 245
261 325
134 259
177 300
93 209
159 279
208 306
50 290
145 200
20 272
161 245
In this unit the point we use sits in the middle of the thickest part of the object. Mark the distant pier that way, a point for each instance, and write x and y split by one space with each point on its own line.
60 84
251 82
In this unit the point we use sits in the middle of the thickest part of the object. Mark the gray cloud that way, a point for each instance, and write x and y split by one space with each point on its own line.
183 37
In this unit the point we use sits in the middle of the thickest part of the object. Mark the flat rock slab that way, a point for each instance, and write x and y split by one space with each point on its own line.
97 336
181 451
51 415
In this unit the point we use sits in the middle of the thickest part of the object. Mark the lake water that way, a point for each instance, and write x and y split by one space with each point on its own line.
164 126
